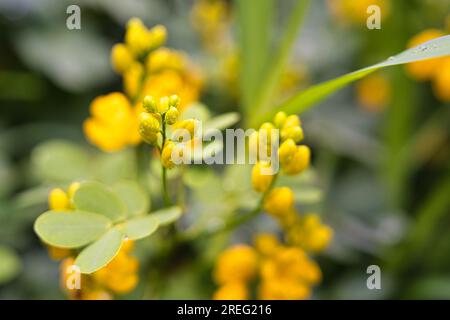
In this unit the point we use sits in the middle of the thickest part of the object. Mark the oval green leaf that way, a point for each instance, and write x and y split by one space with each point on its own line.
97 198
70 229
167 216
100 253
139 228
133 197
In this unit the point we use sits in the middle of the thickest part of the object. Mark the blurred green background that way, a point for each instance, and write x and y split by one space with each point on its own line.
384 176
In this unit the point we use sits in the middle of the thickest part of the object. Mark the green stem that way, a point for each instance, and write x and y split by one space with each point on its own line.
166 197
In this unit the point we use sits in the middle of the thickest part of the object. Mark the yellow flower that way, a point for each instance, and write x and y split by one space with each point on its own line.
298 162
310 234
283 289
373 92
172 115
149 126
441 81
287 151
233 290
132 79
57 253
58 200
166 155
121 58
238 263
137 37
261 180
267 244
424 70
113 123
96 295
279 119
279 201
165 58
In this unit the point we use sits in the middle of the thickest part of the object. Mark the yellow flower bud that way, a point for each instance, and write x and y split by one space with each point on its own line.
292 121
174 101
149 127
158 36
299 162
261 181
121 58
137 37
293 132
163 105
149 104
266 243
279 119
287 151
279 201
234 290
189 125
172 115
58 200
238 263
166 155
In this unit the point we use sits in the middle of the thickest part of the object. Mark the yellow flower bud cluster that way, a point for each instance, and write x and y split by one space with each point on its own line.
154 120
139 41
148 69
437 70
119 276
283 272
293 158
309 233
235 268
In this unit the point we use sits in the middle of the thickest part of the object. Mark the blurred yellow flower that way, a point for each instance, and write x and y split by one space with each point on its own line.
233 290
113 123
355 12
441 81
121 58
373 93
279 201
266 244
261 181
237 263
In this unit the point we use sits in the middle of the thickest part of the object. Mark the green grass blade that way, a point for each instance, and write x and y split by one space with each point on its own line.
255 25
268 90
306 99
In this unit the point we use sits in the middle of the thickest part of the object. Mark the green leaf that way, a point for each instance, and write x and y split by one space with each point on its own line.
60 161
139 228
100 253
306 99
70 229
132 195
10 264
254 19
96 197
167 216
221 122
280 58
